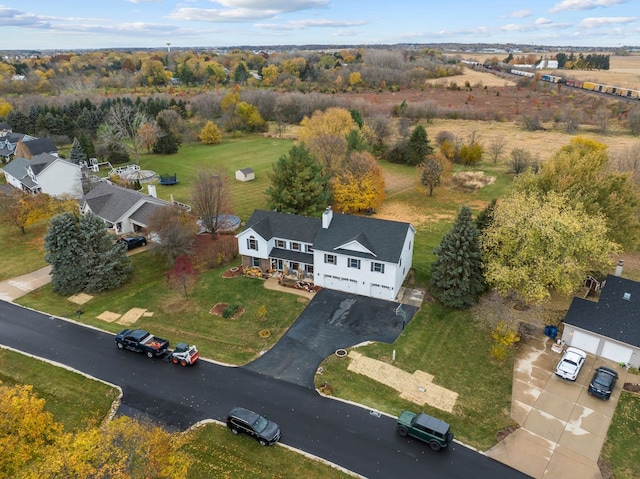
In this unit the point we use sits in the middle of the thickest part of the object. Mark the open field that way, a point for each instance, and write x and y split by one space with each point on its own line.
624 71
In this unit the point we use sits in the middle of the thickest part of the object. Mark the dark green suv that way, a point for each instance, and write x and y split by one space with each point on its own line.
433 431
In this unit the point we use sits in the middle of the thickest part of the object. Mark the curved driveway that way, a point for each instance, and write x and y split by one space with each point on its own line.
347 435
332 320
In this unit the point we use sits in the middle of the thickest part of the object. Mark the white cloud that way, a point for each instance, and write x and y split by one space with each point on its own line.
583 5
279 5
520 14
314 23
217 15
596 22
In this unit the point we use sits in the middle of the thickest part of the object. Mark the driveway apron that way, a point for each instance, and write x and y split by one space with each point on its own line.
332 320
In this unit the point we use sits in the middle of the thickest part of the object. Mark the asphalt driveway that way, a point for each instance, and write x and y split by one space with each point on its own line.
331 321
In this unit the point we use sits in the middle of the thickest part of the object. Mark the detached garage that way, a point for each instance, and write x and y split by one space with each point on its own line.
610 327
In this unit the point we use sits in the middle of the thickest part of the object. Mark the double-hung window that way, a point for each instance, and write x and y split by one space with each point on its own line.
353 263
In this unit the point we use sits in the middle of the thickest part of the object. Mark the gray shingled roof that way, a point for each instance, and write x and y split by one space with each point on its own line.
41 161
40 145
142 214
612 316
111 202
270 224
17 167
384 238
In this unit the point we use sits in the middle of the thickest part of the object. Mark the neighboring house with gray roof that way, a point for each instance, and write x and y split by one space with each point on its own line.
45 173
28 148
122 209
9 141
610 327
355 254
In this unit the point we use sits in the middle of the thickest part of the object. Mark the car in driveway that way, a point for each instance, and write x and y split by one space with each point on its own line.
244 421
570 364
132 241
431 430
603 382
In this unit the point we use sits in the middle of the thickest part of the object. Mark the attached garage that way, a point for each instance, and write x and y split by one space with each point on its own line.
616 352
381 291
608 327
341 284
587 342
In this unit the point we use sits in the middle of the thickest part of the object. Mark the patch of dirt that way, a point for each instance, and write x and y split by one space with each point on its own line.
402 212
634 388
605 469
177 304
501 435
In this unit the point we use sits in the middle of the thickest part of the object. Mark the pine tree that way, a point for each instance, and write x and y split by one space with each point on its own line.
83 256
418 147
298 185
456 274
77 154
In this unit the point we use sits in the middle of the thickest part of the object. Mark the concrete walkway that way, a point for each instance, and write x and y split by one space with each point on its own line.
563 427
13 289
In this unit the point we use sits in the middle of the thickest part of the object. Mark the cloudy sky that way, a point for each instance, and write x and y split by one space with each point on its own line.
71 24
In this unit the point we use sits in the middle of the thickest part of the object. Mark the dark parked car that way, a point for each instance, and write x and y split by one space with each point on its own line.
241 420
435 432
132 241
603 382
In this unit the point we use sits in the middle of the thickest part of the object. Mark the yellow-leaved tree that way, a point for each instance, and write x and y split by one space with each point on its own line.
539 243
210 134
324 133
26 428
360 185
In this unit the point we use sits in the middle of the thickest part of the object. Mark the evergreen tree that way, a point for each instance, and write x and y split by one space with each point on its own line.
87 146
456 274
83 256
298 185
77 154
485 217
169 142
418 147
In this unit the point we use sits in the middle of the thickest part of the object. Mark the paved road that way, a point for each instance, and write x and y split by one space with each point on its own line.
344 434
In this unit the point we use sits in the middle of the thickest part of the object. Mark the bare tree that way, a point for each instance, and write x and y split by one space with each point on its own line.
634 120
496 147
210 199
521 160
602 117
122 127
173 231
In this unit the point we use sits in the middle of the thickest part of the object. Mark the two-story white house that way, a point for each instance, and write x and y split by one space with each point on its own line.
45 173
360 255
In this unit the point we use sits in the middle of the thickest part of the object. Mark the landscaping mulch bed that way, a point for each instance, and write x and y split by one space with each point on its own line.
219 308
233 272
631 387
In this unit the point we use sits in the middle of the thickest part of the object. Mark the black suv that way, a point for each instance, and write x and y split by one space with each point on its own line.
604 379
133 241
241 420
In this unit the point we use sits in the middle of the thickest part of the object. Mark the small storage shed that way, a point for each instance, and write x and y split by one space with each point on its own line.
245 174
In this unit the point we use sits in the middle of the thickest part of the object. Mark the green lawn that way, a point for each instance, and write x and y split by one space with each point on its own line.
74 400
21 253
251 151
176 318
622 448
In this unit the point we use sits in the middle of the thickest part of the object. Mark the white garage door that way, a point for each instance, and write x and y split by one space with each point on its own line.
341 284
616 352
380 291
586 342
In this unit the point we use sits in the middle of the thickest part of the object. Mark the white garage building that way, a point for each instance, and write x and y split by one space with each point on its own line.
609 328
